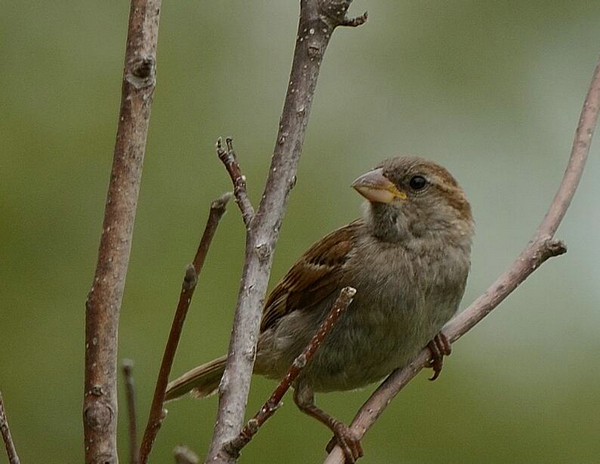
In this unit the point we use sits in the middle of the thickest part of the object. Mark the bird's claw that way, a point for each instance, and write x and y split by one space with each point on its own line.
348 441
439 347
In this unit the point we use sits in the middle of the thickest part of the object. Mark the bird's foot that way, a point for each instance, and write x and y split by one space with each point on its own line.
439 347
348 441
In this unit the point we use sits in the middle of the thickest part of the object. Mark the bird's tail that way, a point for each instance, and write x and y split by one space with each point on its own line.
201 381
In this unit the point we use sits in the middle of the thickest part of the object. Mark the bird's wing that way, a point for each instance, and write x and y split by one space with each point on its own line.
314 277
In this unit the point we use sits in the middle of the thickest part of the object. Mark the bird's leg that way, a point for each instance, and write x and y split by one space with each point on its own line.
305 400
439 347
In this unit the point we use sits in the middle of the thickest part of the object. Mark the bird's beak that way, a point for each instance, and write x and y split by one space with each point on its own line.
375 187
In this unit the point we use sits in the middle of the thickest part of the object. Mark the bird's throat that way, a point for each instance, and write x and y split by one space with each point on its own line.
386 222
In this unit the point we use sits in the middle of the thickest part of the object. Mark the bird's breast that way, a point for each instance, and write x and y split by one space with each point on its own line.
403 299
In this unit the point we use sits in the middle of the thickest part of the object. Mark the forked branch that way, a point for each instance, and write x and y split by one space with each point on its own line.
542 247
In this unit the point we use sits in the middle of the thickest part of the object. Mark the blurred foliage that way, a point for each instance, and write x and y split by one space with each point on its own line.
492 90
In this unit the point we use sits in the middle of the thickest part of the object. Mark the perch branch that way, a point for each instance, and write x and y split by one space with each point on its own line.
11 451
127 368
542 247
229 159
157 414
270 407
103 303
318 19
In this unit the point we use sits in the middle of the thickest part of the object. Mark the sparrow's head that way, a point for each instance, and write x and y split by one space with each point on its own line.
410 197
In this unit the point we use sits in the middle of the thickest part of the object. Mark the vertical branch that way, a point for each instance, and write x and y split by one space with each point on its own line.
11 451
157 414
127 367
318 19
104 299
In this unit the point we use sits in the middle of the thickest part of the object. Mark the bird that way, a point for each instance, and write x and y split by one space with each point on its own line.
407 256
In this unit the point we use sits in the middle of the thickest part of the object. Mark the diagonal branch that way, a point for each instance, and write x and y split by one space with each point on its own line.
270 407
157 414
542 247
103 303
11 451
318 19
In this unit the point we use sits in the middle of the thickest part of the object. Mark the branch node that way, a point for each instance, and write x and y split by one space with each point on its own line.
220 204
335 13
356 21
143 68
142 72
554 247
300 362
263 252
191 278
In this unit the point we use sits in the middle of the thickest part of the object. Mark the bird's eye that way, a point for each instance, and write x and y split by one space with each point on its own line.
418 183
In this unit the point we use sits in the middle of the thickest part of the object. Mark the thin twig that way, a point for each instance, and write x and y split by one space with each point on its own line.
318 19
272 404
184 455
229 159
542 247
103 304
157 414
11 451
127 368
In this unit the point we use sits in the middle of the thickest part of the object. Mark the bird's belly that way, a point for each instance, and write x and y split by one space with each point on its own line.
364 346
368 349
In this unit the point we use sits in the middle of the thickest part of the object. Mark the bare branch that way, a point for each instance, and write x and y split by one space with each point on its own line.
157 414
542 247
253 425
184 455
127 368
318 19
103 304
11 451
229 159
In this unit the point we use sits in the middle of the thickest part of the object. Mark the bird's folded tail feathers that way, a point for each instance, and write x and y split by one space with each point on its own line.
201 381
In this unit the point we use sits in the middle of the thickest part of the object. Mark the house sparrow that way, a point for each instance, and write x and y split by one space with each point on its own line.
408 259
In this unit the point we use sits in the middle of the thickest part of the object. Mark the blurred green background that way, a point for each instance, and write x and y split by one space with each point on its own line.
492 90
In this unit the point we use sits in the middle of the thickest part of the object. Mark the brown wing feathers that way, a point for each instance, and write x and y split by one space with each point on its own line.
314 276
